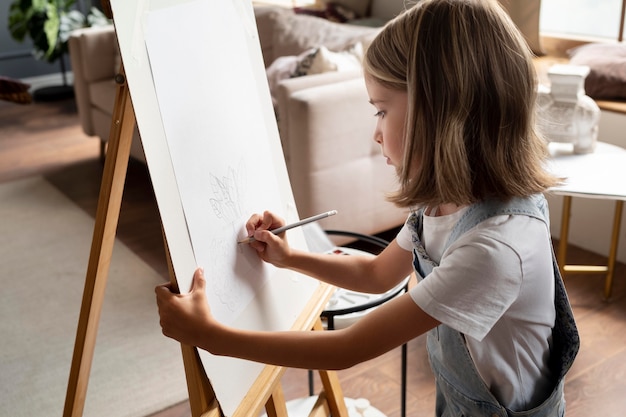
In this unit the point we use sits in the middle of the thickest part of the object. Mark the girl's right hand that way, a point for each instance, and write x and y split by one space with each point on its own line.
271 248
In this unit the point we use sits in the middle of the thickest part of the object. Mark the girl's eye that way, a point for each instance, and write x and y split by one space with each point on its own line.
380 113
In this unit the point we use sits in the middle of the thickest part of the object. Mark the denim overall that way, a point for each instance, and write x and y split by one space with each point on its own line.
460 389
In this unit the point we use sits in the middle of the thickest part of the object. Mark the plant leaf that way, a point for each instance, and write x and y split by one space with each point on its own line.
51 29
49 24
69 23
97 18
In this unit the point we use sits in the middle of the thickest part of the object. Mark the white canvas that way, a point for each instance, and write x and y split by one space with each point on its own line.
198 87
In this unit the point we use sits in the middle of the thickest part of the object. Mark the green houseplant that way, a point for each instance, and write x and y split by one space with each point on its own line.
49 24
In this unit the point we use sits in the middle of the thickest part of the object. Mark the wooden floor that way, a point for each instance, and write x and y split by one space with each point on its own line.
46 139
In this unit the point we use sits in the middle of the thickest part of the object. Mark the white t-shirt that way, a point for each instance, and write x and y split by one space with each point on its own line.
495 285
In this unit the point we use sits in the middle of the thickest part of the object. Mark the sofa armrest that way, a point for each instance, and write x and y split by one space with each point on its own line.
330 123
286 88
94 57
334 162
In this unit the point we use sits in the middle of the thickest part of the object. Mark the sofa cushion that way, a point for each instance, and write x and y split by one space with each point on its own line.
607 64
313 61
295 34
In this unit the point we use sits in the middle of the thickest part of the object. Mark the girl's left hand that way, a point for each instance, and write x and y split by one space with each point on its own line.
185 317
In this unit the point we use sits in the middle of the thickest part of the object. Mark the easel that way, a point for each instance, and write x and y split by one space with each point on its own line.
266 390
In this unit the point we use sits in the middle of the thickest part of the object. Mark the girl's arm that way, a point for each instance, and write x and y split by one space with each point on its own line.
373 274
187 318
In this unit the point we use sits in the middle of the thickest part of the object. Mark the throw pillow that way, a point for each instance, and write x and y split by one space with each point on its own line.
312 61
322 60
282 68
607 64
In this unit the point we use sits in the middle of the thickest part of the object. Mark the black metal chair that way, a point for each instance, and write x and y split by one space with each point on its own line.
373 245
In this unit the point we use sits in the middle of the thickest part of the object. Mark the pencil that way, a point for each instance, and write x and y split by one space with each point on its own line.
292 225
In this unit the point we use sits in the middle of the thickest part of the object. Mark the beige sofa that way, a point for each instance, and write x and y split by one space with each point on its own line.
95 60
325 120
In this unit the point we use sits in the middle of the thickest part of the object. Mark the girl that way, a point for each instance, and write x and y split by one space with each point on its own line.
453 85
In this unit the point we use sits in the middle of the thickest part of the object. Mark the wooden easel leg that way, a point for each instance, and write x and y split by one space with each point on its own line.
332 388
201 396
320 408
330 400
276 406
202 400
107 216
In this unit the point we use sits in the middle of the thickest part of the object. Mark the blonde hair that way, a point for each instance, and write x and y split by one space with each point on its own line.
470 130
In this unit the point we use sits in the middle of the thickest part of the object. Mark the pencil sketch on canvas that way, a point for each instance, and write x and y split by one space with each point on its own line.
220 179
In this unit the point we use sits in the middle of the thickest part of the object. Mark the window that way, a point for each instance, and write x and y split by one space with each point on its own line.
599 19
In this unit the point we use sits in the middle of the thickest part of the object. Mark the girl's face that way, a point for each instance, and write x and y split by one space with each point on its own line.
391 108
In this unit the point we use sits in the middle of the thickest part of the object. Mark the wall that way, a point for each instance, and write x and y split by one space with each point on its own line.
592 219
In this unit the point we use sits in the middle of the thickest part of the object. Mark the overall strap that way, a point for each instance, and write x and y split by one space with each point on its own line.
566 340
534 206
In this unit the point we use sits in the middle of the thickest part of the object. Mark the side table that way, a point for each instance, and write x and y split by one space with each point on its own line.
602 175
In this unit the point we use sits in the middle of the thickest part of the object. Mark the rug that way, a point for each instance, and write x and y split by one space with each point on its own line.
44 252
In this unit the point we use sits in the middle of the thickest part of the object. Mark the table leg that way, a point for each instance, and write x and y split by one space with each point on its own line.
565 215
617 220
609 269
